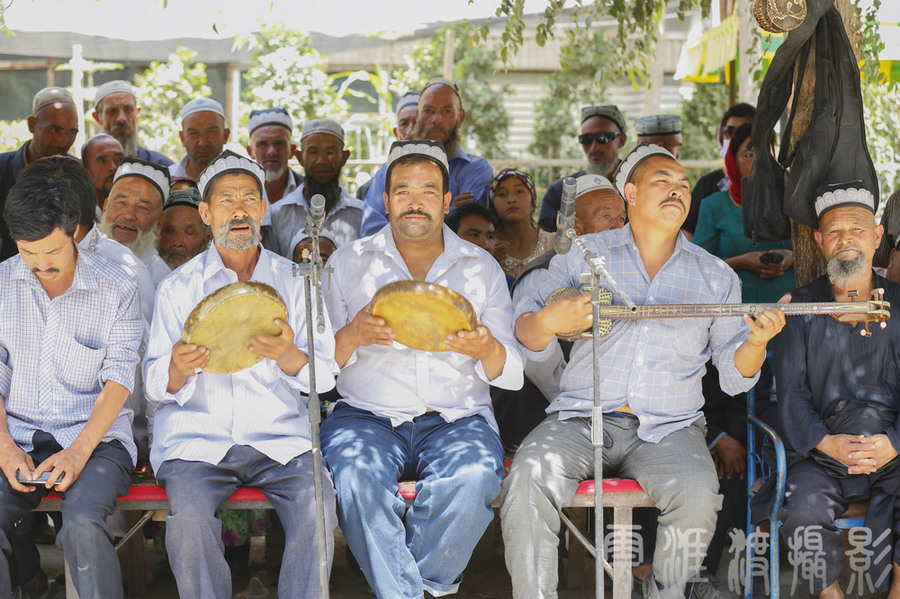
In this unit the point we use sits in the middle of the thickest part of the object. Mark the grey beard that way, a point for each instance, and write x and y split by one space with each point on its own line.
603 169
223 241
130 144
843 272
142 244
451 144
275 175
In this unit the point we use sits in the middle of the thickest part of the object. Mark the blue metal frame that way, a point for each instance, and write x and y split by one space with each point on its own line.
754 461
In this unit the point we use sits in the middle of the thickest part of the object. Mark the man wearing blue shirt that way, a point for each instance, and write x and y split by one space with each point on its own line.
653 428
441 114
70 328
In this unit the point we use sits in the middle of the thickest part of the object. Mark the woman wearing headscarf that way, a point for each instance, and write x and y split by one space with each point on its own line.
765 269
519 241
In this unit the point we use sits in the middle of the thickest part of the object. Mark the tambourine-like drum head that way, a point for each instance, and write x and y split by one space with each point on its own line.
226 320
421 314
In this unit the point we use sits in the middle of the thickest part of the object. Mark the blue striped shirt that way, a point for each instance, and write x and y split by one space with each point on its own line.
654 365
57 354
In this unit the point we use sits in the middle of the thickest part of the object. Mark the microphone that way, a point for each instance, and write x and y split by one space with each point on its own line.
565 220
315 218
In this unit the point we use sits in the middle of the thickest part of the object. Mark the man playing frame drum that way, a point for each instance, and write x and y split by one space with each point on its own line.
653 429
409 413
216 431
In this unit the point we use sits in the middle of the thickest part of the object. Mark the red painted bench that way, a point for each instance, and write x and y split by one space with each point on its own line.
619 494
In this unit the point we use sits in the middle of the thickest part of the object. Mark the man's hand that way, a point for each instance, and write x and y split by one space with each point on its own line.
69 462
567 314
872 460
853 451
476 344
12 460
189 359
730 457
274 347
370 330
764 326
480 345
463 198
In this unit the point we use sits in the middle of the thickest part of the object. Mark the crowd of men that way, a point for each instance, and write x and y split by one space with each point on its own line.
104 258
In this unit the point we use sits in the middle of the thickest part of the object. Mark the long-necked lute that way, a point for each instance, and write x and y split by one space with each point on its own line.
874 310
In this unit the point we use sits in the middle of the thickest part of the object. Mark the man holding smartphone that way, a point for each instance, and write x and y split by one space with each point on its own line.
70 329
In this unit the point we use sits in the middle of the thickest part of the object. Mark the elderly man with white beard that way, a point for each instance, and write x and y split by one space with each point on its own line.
839 402
133 211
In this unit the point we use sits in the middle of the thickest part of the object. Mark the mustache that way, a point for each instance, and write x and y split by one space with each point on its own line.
48 271
416 213
237 222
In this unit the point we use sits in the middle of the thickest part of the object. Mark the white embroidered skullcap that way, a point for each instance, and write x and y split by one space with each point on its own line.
269 116
658 124
607 111
843 196
587 183
116 86
50 95
149 171
229 162
202 105
328 126
432 150
638 155
408 99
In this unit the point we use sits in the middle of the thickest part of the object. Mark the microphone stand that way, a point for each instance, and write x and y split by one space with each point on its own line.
312 275
597 265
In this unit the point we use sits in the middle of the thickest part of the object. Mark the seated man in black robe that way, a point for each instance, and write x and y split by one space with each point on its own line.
839 394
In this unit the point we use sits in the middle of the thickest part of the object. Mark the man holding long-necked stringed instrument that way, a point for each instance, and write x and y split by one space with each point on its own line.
651 368
227 360
407 411
839 398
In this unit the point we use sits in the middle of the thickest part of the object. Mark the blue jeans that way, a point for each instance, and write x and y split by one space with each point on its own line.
194 532
459 467
84 537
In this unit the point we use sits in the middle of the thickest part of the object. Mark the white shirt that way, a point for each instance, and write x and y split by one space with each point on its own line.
57 354
288 215
95 241
399 382
156 266
259 406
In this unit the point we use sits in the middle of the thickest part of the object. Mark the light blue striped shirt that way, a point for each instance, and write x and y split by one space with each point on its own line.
654 365
259 406
57 354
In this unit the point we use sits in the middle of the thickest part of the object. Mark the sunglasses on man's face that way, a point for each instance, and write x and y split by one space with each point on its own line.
728 131
604 137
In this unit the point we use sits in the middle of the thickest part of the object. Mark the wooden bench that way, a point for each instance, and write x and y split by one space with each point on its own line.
618 494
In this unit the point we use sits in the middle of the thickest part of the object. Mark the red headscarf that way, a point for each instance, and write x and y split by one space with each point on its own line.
741 134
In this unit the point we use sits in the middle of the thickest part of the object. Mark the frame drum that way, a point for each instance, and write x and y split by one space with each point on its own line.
226 320
422 314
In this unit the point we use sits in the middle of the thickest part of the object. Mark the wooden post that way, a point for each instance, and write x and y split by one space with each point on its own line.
449 49
809 263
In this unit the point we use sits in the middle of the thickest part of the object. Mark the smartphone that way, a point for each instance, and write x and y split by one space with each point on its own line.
41 480
771 257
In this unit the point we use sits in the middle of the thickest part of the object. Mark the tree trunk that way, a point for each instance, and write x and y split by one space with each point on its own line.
809 263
